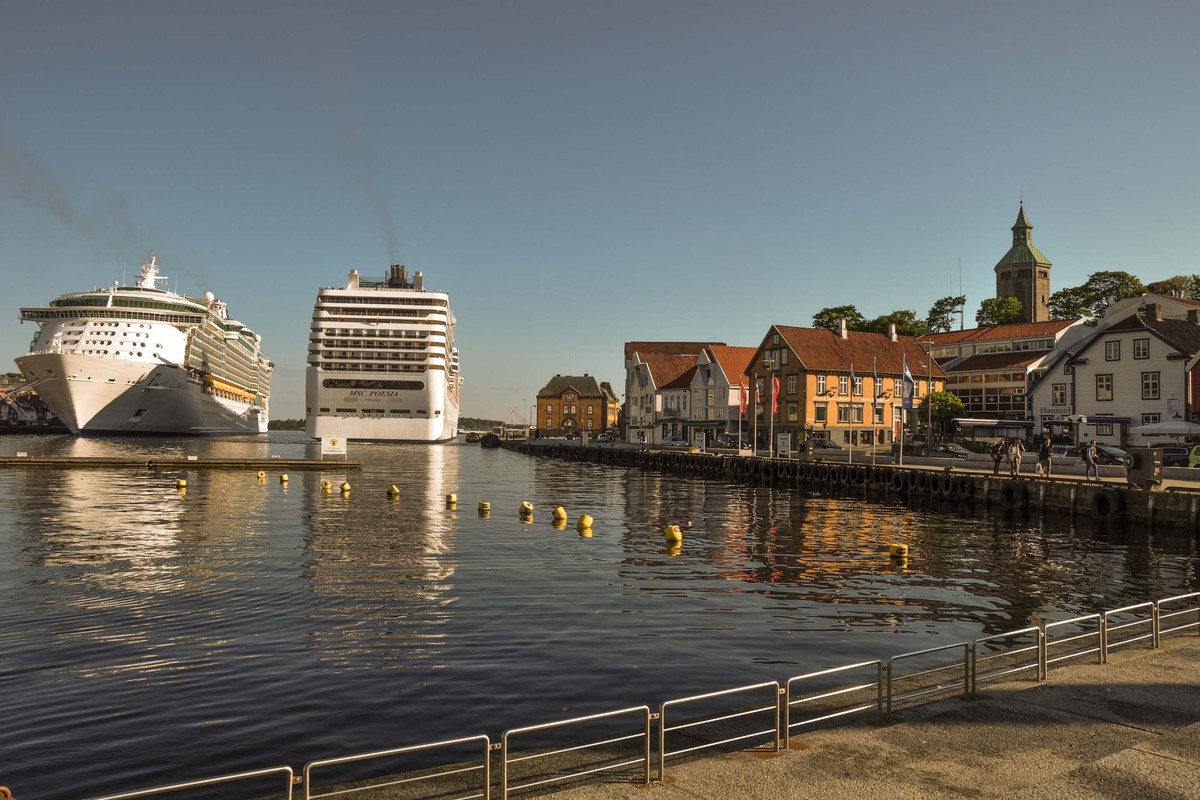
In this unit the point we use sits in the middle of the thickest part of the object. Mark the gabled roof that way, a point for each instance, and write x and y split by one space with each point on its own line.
994 361
585 385
1016 330
1181 334
667 348
733 361
666 368
820 349
684 381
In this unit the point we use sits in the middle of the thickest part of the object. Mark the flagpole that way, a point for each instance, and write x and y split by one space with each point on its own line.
754 420
874 404
903 391
850 444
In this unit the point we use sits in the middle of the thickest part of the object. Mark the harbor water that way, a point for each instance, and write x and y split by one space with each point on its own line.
151 635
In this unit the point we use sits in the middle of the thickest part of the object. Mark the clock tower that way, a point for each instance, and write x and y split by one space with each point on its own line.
1024 273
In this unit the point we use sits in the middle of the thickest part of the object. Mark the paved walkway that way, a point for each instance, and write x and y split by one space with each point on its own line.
1128 729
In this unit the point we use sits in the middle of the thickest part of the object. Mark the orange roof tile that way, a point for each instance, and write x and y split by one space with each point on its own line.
1016 330
667 348
820 349
732 360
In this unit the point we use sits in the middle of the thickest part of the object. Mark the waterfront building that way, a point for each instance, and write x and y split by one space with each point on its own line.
649 366
1024 273
575 404
716 392
844 385
1136 368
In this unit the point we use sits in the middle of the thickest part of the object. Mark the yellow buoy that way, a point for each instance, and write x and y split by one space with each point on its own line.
584 523
560 513
485 507
283 478
898 550
393 491
526 508
262 475
451 499
673 533
181 484
346 488
586 533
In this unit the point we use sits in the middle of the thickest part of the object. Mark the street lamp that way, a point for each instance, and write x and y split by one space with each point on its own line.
532 419
769 364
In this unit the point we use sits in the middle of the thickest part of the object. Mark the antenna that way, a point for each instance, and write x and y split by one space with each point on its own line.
961 309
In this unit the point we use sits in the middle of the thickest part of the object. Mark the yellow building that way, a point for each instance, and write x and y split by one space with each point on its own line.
569 405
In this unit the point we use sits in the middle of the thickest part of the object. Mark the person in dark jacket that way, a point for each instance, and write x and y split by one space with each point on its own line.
1045 450
997 456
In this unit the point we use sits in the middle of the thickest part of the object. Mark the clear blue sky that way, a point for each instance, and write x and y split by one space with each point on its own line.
581 174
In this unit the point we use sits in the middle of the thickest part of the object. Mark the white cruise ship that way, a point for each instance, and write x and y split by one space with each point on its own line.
382 365
144 360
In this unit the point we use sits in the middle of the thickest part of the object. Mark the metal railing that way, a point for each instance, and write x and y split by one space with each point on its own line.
844 692
508 759
931 685
285 774
664 728
461 768
987 658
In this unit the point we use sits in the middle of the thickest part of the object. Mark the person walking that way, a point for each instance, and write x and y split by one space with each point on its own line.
1015 451
1045 451
997 456
1089 462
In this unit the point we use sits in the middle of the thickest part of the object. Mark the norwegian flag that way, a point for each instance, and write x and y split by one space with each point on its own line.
744 394
775 395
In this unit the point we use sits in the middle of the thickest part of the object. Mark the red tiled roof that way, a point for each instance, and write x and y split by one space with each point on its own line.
684 381
666 368
1017 330
667 348
732 360
994 361
822 349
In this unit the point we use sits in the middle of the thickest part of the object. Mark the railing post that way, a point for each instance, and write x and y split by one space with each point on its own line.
1155 627
879 694
888 712
1103 656
1043 667
967 671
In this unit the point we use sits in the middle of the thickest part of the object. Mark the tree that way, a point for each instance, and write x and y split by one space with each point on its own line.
829 318
998 311
1101 290
941 314
907 323
1185 286
940 408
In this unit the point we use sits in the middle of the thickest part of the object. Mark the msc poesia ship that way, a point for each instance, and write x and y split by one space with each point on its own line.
382 365
144 360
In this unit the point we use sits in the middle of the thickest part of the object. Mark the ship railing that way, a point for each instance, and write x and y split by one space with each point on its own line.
725 719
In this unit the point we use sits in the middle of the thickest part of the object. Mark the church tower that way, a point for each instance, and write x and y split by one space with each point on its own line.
1024 273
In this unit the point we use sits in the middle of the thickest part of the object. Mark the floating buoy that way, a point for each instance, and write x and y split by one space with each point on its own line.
451 500
262 475
526 508
326 486
181 484
560 513
673 533
345 488
584 523
586 533
393 491
283 478
485 508
898 550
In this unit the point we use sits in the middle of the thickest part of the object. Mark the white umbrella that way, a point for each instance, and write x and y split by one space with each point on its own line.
1171 427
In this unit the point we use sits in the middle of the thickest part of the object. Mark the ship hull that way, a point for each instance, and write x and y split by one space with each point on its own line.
106 396
376 415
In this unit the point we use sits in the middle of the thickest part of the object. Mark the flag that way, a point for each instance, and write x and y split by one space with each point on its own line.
775 395
744 394
909 385
852 378
874 388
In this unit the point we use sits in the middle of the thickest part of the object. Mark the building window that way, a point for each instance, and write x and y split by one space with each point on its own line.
844 413
843 384
1141 348
1112 351
878 414
1104 429
820 384
1104 387
857 410
1151 419
549 423
589 411
793 412
549 408
589 424
1150 385
568 396
793 384
858 385
774 339
821 413
1058 393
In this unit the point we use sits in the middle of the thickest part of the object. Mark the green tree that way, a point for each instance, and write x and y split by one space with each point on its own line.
941 314
998 311
1185 286
907 323
940 408
1101 290
829 318
1071 303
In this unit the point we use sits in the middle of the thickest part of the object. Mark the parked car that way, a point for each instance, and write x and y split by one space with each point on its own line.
1105 453
1194 456
1174 455
674 441
604 437
824 444
947 450
1063 450
572 435
731 440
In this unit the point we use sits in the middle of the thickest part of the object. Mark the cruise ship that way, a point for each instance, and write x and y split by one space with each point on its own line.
144 360
382 365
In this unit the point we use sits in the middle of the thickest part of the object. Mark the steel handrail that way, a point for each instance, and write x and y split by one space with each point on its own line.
966 664
1172 614
664 728
976 658
1047 642
177 787
1109 627
395 751
789 702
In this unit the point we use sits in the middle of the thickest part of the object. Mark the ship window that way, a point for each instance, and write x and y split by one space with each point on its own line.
347 410
324 410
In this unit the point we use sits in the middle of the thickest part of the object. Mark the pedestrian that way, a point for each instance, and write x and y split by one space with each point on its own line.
1015 451
1089 461
997 456
1045 451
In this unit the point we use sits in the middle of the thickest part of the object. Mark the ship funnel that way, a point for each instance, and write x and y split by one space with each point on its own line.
353 284
418 281
398 276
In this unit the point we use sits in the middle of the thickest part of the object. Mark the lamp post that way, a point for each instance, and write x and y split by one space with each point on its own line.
532 419
769 364
929 392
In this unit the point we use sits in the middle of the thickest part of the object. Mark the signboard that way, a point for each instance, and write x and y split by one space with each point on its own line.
698 440
333 446
783 445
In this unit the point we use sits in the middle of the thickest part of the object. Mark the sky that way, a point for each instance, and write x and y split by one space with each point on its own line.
578 175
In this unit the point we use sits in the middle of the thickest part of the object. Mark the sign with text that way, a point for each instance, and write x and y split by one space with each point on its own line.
783 445
333 446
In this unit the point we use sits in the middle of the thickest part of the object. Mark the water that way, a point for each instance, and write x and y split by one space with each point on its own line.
150 636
